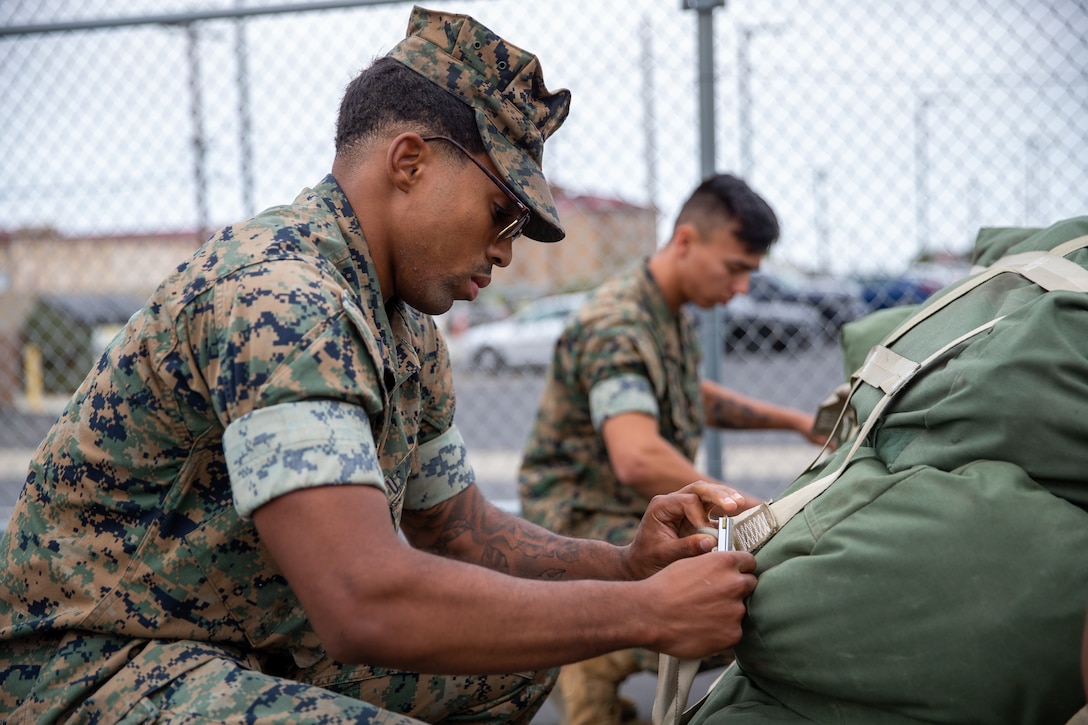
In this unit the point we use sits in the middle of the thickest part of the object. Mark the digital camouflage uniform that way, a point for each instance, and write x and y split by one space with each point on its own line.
132 579
623 351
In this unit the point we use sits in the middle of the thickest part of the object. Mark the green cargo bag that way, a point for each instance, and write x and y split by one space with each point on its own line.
943 575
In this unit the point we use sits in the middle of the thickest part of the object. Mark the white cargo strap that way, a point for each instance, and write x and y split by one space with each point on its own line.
883 369
887 371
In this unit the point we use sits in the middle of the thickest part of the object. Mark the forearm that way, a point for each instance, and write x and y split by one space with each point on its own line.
648 463
469 528
656 468
728 409
453 617
371 598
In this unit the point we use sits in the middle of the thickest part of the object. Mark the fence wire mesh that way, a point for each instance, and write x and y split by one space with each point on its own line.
884 134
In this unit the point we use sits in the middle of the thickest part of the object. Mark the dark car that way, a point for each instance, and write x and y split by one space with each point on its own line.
770 326
892 291
836 300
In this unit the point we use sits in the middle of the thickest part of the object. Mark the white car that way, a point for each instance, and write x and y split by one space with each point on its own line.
525 339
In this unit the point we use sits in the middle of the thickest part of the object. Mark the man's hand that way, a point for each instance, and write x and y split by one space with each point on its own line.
678 526
699 603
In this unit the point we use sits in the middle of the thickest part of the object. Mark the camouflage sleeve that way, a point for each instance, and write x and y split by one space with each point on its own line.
436 382
444 471
626 393
290 368
289 447
613 365
283 332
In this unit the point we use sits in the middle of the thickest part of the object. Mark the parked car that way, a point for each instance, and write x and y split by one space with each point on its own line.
770 325
464 314
879 292
525 339
836 300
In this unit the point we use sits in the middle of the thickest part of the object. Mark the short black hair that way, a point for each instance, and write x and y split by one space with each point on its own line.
388 95
724 198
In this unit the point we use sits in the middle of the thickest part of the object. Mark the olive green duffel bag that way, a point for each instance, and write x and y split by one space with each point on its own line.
941 573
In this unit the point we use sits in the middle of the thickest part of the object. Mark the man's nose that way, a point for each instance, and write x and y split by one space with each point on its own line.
501 252
742 283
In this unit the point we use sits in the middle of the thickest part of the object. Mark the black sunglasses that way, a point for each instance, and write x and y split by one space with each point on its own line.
514 228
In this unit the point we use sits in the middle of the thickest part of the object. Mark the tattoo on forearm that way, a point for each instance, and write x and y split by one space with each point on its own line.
727 413
505 543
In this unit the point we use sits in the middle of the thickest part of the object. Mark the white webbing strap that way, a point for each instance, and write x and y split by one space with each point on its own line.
883 369
1046 269
886 370
674 680
1065 275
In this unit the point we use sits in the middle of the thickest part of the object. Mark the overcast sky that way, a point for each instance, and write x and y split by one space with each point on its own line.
878 129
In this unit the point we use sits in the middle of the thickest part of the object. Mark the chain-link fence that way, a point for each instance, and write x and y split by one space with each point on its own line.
883 133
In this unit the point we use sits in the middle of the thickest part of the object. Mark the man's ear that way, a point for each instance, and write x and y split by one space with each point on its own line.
406 157
684 237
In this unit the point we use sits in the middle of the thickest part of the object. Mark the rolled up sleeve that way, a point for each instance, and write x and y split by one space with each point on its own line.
283 448
444 471
621 394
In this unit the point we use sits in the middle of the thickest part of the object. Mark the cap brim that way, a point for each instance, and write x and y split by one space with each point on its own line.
526 179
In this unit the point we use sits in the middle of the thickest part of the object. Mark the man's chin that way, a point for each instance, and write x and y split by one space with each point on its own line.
431 306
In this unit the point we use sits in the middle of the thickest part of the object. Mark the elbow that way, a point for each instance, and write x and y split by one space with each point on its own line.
632 470
359 623
365 640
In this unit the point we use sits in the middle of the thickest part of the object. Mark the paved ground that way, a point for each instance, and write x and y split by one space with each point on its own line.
639 689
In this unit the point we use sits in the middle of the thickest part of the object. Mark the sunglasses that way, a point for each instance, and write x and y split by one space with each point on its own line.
513 229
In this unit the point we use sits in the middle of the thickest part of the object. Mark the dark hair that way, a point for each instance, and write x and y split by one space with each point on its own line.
724 198
389 94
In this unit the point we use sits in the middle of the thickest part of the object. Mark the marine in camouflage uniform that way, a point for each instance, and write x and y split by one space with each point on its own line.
633 348
134 584
623 351
131 560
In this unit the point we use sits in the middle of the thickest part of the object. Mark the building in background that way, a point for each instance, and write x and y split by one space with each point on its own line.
64 297
605 236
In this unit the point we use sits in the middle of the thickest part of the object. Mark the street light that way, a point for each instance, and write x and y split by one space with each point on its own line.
1034 159
744 91
922 104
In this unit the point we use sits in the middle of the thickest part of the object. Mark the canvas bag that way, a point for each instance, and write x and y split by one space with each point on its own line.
943 577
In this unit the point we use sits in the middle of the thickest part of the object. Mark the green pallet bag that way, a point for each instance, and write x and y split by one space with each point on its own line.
943 576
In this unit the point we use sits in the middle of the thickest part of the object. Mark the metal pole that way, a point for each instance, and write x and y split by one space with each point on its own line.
1033 160
744 93
711 320
647 34
744 103
823 233
922 128
921 174
244 145
199 177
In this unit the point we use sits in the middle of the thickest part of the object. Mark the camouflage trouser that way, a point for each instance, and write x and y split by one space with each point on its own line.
104 680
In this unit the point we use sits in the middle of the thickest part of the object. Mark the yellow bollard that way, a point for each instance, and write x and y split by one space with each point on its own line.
34 380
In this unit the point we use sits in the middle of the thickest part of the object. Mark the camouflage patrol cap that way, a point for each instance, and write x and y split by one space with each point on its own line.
504 84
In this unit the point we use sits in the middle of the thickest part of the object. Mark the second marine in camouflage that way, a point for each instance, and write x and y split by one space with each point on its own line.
623 410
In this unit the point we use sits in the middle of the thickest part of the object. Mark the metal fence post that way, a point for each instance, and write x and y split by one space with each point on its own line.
711 320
